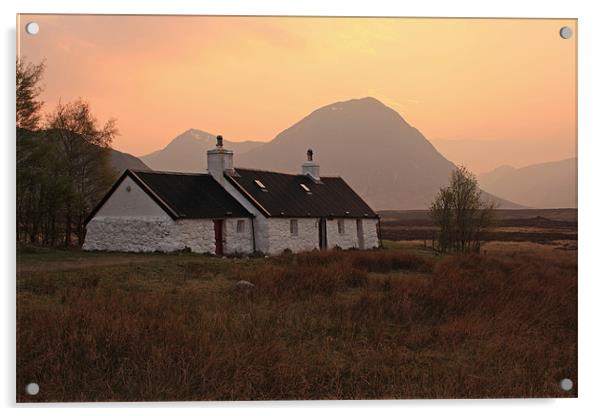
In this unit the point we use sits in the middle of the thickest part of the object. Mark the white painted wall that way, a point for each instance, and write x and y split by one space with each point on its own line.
280 237
218 161
370 232
198 235
235 242
349 239
145 234
132 203
150 234
262 235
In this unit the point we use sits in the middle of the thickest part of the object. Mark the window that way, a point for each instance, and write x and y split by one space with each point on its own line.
240 226
294 227
341 225
260 184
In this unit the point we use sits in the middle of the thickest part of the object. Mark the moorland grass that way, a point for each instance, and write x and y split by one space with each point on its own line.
382 324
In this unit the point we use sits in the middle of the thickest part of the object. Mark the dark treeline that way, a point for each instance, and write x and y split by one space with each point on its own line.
63 164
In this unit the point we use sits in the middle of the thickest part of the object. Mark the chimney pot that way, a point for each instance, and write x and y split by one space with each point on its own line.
220 161
310 167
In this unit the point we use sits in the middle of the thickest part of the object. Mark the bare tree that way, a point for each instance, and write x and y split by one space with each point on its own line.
461 213
28 90
29 157
63 168
85 150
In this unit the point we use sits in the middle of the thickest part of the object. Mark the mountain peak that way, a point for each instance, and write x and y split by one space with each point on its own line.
195 134
362 109
365 100
364 103
186 152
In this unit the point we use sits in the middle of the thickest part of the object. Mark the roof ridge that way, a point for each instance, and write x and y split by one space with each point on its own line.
285 173
167 172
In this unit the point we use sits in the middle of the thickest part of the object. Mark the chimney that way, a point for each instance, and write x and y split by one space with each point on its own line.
220 161
310 167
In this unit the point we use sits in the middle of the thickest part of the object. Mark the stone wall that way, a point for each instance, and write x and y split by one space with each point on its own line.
150 234
345 240
238 242
198 235
370 226
133 234
280 237
277 232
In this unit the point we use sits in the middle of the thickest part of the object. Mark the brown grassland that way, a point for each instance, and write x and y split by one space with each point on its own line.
544 226
399 322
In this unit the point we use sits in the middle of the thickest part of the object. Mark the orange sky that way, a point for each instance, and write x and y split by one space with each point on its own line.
252 77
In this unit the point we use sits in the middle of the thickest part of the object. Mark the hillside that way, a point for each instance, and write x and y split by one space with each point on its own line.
544 185
122 161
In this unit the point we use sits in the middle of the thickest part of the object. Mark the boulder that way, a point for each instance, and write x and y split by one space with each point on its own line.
244 285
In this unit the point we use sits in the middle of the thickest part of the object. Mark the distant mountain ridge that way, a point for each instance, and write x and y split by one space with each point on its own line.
186 153
543 185
481 156
385 159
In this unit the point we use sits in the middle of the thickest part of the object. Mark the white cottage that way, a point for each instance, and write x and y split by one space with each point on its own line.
231 210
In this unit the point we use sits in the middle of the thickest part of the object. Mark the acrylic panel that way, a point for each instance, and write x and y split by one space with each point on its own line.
295 208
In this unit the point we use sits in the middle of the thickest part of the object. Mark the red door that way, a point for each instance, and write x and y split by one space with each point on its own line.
218 226
323 239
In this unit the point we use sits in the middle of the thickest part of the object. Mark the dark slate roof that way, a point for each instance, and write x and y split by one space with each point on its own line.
283 195
183 195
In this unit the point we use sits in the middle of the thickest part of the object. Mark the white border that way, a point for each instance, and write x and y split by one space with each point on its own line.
590 139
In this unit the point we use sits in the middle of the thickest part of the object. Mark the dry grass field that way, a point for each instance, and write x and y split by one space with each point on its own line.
399 322
543 226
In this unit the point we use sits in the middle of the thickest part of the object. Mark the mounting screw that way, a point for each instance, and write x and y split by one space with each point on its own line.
566 32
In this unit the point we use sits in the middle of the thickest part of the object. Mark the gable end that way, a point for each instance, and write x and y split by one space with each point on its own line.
128 173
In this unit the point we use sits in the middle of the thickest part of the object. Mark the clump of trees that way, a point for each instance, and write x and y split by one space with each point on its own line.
63 164
461 213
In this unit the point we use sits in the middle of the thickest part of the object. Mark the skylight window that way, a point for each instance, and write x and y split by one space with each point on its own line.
305 188
260 184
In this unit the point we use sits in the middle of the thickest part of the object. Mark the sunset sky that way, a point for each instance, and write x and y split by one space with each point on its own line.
249 78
